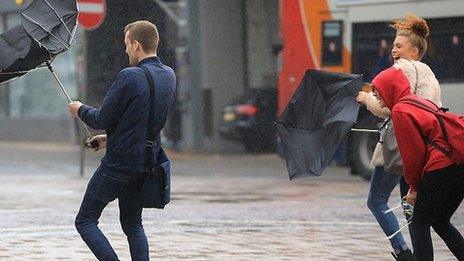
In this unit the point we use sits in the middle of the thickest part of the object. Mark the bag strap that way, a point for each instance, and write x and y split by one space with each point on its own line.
424 106
421 104
384 123
417 75
150 144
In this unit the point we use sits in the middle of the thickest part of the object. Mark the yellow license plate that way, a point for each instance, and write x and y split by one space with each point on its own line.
228 116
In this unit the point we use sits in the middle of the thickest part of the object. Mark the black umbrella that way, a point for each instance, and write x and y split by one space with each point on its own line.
317 119
52 23
47 28
19 54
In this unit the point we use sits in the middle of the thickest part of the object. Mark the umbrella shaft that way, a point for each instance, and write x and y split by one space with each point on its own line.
61 85
364 130
67 96
86 128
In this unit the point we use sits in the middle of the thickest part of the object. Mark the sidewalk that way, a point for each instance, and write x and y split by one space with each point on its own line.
224 207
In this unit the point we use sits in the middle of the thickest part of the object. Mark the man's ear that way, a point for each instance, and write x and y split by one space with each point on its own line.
136 45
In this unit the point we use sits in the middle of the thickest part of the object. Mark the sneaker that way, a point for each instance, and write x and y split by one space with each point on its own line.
406 255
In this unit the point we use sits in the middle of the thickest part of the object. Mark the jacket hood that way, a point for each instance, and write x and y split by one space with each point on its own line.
391 85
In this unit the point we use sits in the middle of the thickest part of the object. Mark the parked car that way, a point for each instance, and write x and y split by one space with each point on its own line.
250 118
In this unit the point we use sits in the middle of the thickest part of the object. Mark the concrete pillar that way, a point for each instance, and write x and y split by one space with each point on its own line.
223 58
262 28
216 68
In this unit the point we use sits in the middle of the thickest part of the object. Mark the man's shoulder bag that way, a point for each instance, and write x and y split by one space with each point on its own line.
157 185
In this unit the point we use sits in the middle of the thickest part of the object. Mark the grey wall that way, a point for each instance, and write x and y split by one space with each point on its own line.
262 34
221 60
230 50
223 57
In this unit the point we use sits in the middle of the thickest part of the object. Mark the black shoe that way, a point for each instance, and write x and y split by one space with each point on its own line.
406 255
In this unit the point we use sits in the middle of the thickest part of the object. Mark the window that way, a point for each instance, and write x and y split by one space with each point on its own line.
372 43
332 43
445 53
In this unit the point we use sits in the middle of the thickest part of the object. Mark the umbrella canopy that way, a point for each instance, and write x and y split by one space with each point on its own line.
47 28
19 54
317 119
52 23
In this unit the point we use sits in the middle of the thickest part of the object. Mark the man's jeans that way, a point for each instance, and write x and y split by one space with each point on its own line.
104 187
382 185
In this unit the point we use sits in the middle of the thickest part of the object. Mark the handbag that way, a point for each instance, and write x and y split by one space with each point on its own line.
156 187
391 154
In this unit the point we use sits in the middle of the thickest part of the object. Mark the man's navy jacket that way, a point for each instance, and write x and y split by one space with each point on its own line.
124 114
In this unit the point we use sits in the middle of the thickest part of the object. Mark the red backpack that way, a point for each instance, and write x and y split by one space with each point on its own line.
452 129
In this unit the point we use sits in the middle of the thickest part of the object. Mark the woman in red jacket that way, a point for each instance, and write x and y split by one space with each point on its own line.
436 184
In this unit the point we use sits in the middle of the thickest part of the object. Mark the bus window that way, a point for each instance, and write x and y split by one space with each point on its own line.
332 43
445 54
372 43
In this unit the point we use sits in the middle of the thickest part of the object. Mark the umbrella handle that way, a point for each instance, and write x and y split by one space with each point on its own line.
66 94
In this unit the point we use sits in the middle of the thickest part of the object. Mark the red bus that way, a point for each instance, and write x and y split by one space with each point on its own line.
350 36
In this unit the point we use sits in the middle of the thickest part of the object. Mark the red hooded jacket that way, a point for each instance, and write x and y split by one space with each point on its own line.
411 123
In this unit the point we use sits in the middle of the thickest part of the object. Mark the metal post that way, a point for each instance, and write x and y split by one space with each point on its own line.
195 69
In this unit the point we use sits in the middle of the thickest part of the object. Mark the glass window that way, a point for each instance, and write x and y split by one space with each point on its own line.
372 43
332 42
445 53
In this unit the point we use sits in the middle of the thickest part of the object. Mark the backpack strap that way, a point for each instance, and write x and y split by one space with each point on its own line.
422 105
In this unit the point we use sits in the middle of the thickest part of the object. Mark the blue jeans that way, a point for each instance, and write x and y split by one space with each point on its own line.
104 187
382 185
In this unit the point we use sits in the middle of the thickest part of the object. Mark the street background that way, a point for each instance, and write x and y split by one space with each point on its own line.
224 207
227 202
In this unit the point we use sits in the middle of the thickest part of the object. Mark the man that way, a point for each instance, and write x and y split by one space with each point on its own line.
124 117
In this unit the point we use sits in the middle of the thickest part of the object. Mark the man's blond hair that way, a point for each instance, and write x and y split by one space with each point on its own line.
145 33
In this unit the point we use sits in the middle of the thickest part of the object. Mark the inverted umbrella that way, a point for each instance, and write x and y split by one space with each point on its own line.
19 54
52 23
47 28
317 119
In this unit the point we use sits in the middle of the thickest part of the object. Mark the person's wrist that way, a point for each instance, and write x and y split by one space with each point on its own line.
81 107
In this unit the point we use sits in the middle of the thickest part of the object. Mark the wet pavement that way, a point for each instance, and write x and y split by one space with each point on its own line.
224 207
